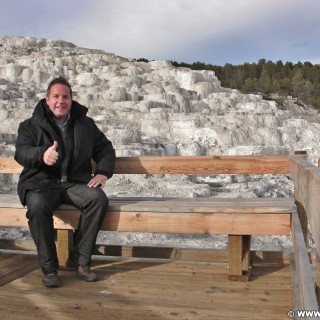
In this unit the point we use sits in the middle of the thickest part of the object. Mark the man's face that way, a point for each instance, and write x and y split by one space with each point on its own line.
59 101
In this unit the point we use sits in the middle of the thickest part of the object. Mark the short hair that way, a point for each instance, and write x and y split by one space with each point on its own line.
59 80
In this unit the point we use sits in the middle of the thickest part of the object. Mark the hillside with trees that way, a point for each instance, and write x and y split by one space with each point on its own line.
300 80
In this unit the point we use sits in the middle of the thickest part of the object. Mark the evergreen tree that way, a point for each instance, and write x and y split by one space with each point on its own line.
300 80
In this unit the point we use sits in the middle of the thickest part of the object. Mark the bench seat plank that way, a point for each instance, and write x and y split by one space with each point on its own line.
201 205
197 216
205 205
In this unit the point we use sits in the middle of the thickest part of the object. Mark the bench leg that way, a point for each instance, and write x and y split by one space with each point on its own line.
239 257
64 245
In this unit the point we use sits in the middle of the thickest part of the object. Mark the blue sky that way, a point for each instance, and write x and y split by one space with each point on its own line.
210 31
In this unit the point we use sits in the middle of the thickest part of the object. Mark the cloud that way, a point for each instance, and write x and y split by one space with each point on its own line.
39 18
212 31
182 29
155 27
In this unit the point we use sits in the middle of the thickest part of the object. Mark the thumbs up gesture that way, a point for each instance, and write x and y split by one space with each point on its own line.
51 155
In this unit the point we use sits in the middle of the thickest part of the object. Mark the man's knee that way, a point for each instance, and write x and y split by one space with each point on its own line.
35 201
100 198
38 204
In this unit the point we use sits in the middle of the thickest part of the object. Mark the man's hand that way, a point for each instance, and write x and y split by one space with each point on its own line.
98 181
51 155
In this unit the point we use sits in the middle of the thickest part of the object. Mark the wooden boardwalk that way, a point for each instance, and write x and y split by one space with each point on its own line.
144 289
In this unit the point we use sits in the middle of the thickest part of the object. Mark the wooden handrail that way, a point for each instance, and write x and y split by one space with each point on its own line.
187 165
306 179
306 298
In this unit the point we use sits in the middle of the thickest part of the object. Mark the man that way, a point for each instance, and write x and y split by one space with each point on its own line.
55 147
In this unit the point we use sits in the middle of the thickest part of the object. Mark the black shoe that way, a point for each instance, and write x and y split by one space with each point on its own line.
86 274
51 280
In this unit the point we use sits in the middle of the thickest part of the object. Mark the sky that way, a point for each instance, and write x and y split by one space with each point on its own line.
211 31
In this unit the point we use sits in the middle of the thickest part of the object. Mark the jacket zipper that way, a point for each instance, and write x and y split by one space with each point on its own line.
66 158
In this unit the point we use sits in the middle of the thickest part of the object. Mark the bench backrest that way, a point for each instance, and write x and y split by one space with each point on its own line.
187 165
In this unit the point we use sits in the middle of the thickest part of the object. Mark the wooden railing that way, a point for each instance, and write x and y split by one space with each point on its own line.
307 194
187 165
306 179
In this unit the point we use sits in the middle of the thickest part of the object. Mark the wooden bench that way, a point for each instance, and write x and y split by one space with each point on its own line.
238 218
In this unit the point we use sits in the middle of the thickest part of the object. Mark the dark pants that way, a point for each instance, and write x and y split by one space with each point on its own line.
92 202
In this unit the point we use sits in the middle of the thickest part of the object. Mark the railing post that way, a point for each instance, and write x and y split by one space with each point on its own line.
300 209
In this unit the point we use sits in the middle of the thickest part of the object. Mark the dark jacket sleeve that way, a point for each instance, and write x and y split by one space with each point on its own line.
27 153
103 154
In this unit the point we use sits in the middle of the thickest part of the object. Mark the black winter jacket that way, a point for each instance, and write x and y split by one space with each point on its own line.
37 134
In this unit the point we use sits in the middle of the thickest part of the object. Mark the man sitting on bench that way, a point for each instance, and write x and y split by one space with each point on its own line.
55 147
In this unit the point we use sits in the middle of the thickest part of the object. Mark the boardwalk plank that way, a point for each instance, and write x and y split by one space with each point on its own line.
138 289
13 266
